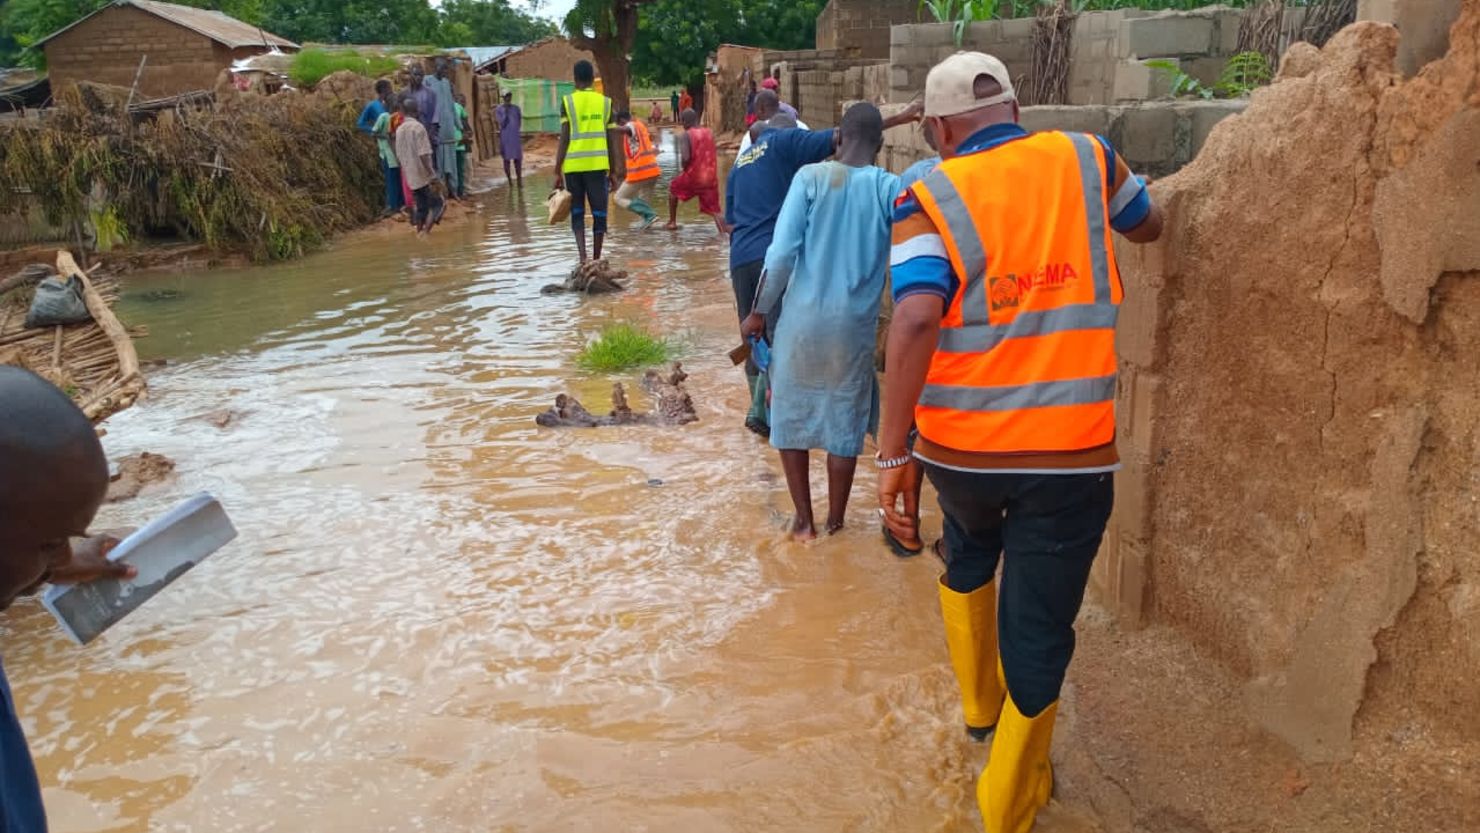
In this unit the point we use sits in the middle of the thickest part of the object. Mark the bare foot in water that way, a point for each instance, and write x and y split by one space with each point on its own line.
834 527
803 530
671 227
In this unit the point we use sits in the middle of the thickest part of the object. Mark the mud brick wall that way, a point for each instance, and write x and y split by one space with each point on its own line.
551 58
860 28
107 47
1300 411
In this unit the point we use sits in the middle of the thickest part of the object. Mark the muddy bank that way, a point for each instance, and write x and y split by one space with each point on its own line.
1301 412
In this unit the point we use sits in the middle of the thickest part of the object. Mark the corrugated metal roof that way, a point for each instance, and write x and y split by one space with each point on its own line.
481 55
219 27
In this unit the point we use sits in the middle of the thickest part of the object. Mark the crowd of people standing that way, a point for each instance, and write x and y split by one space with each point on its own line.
423 140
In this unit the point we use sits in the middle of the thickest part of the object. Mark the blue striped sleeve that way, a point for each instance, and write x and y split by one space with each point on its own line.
1130 205
924 275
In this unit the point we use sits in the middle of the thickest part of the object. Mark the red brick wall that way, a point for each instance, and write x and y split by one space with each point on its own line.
106 49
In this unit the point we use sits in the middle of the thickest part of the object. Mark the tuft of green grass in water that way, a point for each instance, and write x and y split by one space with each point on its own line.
311 66
623 347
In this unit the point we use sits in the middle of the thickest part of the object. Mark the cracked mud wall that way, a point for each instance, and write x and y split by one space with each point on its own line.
1301 390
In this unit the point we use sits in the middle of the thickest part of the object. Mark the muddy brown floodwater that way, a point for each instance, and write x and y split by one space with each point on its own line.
441 617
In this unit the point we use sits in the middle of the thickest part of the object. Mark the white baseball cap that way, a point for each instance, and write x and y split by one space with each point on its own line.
950 86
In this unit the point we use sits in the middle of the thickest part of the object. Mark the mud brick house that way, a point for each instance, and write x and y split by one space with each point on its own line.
183 48
552 58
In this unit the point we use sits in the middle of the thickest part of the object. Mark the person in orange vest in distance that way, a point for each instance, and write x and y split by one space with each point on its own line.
1001 355
642 170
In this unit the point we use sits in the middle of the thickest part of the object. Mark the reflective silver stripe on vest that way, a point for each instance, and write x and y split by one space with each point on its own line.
587 154
570 114
968 245
1018 397
979 338
1094 213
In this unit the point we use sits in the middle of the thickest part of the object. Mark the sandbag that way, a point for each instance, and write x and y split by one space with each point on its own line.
558 205
58 301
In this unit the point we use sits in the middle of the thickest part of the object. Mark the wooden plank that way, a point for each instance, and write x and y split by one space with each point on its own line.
128 358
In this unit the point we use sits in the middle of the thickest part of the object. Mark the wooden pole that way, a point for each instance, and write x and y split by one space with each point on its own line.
128 358
139 73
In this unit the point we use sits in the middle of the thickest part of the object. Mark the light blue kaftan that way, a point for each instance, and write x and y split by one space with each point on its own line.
829 257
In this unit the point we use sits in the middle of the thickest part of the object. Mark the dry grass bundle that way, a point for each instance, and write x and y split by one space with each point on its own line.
266 175
1324 18
1048 81
1262 30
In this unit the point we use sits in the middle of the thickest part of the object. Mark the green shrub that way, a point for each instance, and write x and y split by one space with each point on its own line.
625 346
1243 73
311 66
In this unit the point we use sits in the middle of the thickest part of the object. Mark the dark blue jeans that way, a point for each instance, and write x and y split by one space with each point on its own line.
394 199
1044 530
587 188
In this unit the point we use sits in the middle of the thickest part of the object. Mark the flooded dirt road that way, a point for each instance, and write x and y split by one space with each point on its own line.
441 617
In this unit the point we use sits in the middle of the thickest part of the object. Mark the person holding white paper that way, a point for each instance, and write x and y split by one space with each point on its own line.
53 477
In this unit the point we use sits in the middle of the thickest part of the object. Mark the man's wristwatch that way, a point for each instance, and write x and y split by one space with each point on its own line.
892 462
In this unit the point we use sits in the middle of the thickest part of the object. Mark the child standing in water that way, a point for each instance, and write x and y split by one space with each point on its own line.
828 259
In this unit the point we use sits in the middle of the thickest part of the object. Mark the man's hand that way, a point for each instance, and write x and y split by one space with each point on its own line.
753 326
902 482
89 562
559 181
915 111
611 181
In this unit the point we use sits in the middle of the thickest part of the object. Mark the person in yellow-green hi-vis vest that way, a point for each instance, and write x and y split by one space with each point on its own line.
584 163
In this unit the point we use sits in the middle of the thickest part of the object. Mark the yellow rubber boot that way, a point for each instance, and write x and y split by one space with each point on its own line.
971 636
1018 779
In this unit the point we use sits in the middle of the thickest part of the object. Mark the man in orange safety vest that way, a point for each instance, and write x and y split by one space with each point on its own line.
1001 357
642 169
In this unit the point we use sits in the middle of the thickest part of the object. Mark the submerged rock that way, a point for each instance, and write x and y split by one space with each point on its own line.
594 277
675 407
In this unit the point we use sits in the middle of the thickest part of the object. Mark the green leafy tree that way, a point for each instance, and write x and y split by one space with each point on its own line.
490 23
608 30
352 21
675 37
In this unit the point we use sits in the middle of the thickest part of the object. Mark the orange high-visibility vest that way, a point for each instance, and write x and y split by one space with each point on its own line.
642 164
1026 356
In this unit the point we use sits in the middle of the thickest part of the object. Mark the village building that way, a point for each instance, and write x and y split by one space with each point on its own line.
550 58
181 49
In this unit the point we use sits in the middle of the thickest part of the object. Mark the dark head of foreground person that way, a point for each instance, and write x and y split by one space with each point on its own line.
53 477
1001 355
584 161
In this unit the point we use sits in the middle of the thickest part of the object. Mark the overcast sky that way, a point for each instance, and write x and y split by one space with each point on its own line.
553 9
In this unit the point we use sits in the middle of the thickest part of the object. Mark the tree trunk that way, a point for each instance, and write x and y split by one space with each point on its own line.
611 50
613 68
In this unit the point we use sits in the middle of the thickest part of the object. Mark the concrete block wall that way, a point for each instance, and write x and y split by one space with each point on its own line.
818 81
1095 55
1103 47
1157 138
860 28
1423 27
